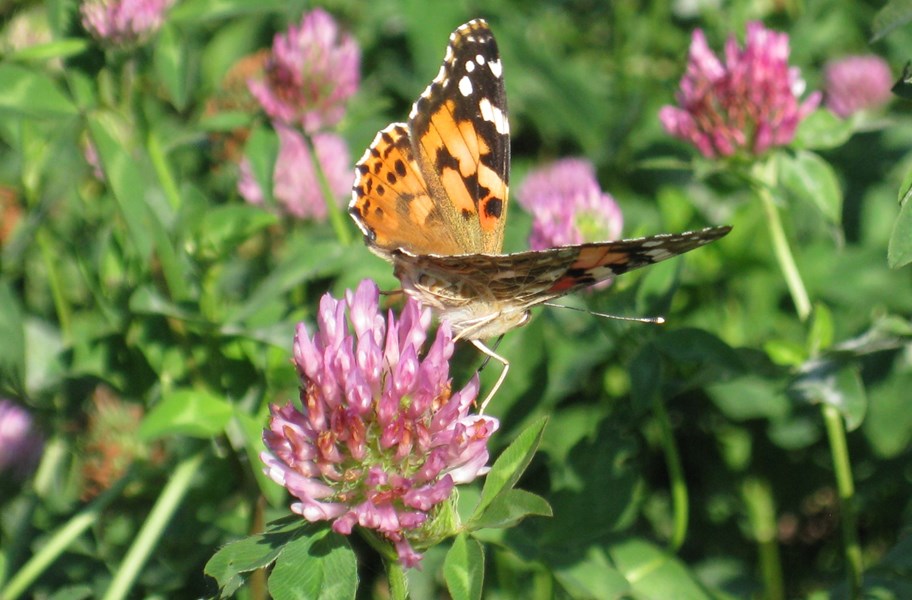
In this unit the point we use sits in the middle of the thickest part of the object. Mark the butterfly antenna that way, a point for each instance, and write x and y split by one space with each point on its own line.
488 356
392 292
651 320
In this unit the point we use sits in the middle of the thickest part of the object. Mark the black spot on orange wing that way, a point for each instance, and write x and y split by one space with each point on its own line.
445 160
493 207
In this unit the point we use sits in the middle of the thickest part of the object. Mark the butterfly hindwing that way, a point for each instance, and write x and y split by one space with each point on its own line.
532 277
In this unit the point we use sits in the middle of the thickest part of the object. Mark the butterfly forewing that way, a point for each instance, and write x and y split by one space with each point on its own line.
462 138
439 184
391 203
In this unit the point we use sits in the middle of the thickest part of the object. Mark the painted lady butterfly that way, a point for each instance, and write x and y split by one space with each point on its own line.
431 197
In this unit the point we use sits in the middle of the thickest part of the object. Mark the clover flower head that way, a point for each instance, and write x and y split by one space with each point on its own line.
380 439
747 105
123 22
313 70
856 83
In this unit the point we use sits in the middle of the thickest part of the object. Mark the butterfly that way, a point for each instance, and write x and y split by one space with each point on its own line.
430 197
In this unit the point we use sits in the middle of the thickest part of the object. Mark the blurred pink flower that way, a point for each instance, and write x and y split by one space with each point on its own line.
568 206
749 104
295 182
856 83
123 22
311 73
381 439
20 442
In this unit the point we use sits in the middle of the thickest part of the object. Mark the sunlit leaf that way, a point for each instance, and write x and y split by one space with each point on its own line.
809 178
511 463
822 130
31 93
464 568
195 413
173 66
509 508
321 565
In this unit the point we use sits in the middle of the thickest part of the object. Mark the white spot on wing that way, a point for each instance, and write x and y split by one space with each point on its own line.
658 254
496 68
469 66
602 272
492 114
465 86
479 59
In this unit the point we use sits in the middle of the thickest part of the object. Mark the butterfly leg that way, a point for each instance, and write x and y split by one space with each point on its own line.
503 374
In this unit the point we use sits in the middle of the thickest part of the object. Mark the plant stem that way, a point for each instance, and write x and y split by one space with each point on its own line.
679 498
398 583
761 513
780 242
60 541
258 585
154 526
163 170
51 261
844 483
336 218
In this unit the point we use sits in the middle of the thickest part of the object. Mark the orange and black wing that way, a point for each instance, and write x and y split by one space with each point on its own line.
439 184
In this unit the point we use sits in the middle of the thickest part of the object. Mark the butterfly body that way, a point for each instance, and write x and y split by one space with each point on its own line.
431 196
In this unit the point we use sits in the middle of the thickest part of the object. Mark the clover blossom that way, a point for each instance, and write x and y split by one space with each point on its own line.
747 105
123 22
568 206
20 442
296 184
856 83
312 71
381 439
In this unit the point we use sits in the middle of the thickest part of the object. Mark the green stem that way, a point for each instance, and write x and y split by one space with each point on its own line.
154 526
60 541
336 218
761 513
398 583
163 171
780 243
51 261
844 483
679 498
381 545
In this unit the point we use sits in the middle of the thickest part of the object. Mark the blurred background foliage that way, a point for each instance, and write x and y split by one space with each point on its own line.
161 293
